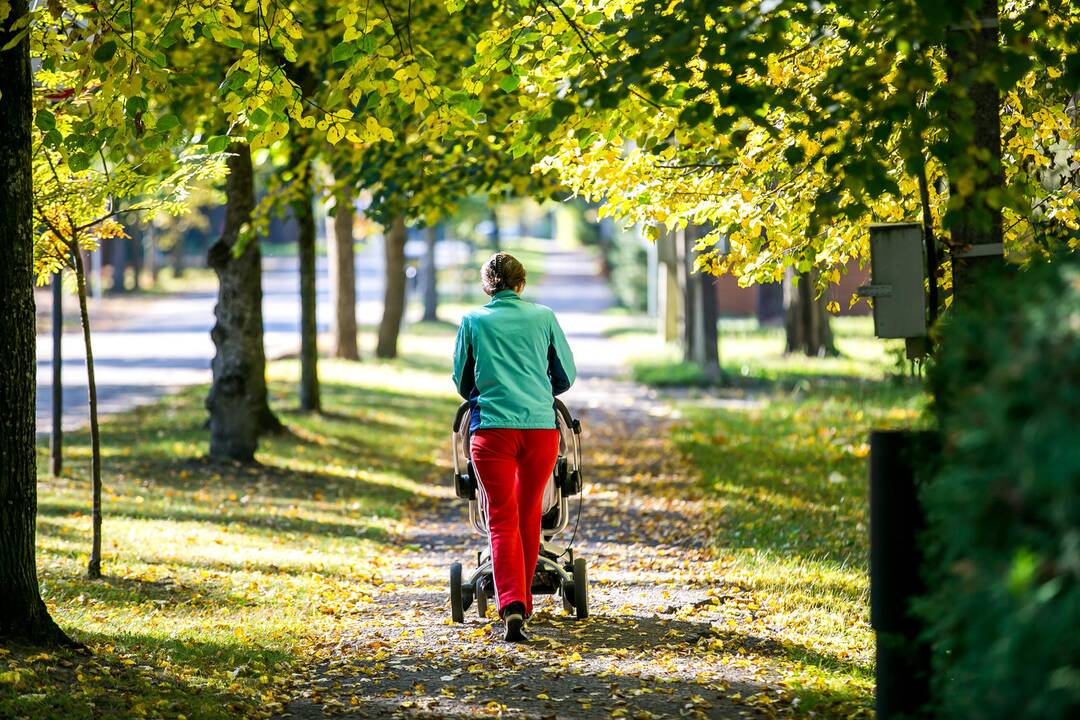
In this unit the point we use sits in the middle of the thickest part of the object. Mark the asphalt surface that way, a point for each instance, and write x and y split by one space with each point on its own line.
165 343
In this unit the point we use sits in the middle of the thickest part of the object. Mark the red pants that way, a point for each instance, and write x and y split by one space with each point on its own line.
513 467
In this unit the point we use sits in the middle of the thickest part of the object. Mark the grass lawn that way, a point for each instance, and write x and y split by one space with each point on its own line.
752 355
781 458
221 581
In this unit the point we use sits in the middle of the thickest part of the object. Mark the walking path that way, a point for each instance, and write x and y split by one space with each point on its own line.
658 642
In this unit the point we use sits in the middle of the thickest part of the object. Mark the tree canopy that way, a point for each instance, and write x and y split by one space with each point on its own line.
788 126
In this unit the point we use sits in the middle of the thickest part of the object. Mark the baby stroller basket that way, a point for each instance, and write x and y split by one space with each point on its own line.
553 575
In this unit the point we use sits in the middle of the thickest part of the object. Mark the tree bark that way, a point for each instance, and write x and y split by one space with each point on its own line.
138 258
770 304
305 241
56 439
118 258
177 254
700 342
496 231
237 401
93 568
975 125
394 295
429 275
343 277
23 615
806 317
150 252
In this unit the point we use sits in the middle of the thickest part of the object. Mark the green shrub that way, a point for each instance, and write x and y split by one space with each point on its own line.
1003 511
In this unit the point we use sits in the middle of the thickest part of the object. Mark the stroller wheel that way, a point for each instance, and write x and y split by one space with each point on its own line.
567 597
457 609
581 588
481 602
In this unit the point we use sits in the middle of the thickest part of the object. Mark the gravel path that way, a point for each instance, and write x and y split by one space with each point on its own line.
653 646
658 642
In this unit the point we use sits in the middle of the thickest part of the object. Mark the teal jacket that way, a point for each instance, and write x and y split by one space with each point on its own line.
511 360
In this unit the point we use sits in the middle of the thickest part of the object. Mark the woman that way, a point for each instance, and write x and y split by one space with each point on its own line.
511 360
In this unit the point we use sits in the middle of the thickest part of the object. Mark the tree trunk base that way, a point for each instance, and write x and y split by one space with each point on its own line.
270 423
42 632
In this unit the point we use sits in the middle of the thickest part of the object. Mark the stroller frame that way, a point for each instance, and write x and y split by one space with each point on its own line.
569 579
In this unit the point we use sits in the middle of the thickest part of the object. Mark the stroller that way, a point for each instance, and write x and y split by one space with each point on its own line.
568 579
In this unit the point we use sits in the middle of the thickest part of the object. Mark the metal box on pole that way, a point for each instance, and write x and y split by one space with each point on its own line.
898 284
898 280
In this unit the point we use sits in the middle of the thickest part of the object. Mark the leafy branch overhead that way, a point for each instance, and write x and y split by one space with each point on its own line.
788 126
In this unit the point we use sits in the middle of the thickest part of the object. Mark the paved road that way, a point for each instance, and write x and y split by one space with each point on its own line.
166 345
573 288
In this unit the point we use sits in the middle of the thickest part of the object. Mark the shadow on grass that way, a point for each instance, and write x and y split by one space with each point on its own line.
109 685
276 523
119 592
365 430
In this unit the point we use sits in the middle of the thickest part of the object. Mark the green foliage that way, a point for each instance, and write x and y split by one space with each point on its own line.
1004 510
790 125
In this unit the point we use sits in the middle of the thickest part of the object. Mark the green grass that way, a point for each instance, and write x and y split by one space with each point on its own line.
782 468
754 356
221 580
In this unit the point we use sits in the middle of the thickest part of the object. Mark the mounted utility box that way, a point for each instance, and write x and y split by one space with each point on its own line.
898 280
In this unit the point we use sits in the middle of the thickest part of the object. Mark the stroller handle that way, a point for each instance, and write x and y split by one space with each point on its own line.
460 415
560 410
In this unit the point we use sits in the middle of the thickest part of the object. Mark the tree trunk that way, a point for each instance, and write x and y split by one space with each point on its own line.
118 258
56 439
177 253
806 317
496 231
138 249
343 277
700 343
237 402
394 296
93 568
150 253
770 304
305 241
23 615
429 274
975 128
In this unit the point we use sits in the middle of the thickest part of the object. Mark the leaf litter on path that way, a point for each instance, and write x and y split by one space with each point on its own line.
667 635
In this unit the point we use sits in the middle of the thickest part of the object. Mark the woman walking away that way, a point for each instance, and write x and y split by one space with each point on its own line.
512 359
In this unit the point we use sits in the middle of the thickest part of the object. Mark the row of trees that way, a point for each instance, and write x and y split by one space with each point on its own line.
131 106
787 126
781 128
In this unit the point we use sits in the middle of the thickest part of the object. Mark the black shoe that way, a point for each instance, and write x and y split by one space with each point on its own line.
514 617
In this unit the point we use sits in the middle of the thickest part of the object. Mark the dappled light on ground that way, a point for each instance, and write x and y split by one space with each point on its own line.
724 529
